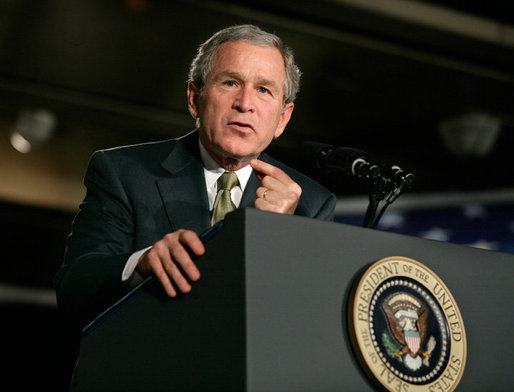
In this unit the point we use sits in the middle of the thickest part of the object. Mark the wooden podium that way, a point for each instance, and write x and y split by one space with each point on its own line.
270 313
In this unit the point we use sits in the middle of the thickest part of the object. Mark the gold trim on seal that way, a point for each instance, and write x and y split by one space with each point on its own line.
403 370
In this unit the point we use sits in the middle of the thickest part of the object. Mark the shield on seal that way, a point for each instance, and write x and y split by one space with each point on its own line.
413 341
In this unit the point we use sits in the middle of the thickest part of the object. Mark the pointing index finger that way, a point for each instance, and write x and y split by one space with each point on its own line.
265 169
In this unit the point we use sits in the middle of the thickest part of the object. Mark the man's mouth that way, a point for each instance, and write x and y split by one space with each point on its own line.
241 125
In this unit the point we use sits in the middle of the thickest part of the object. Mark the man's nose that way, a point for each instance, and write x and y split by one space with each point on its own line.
244 100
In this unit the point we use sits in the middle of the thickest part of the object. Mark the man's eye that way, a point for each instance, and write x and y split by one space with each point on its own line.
230 83
263 90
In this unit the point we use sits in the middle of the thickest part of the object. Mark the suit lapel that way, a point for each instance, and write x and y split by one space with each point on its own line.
249 196
248 199
184 193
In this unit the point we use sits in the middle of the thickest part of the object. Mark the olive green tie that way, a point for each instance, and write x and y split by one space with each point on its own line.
223 203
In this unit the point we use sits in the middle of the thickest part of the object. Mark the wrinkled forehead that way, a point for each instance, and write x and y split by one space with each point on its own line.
232 56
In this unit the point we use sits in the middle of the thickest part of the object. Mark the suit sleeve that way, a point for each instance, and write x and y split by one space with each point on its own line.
326 212
98 247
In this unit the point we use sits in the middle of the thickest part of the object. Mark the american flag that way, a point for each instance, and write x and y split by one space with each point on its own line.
483 220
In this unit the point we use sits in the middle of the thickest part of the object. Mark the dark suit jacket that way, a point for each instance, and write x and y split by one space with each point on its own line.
135 195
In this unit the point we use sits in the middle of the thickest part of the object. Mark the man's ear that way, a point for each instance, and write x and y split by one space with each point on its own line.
285 116
193 95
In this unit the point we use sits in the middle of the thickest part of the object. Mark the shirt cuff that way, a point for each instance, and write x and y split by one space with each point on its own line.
129 274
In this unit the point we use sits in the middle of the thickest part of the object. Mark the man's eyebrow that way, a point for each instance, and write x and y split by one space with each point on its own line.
228 74
262 81
266 82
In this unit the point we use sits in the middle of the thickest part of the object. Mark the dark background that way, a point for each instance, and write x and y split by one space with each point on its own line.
114 72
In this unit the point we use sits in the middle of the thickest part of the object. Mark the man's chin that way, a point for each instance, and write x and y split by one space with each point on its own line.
239 157
238 152
236 159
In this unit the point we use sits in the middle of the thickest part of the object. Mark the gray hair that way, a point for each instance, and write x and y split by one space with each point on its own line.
203 62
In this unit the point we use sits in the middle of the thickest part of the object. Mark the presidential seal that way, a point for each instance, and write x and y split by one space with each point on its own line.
405 327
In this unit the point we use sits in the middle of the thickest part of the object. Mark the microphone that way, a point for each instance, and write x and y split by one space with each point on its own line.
385 181
349 160
401 177
355 163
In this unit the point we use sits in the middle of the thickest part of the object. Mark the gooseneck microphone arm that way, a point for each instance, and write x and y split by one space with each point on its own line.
401 182
384 181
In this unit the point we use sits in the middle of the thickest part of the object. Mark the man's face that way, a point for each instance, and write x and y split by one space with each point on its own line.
241 106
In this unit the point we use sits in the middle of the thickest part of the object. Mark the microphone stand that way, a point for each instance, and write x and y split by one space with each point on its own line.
389 200
377 185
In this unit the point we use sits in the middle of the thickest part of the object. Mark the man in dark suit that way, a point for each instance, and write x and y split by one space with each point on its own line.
146 204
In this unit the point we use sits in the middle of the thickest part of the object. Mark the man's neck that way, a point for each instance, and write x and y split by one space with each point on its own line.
226 162
231 164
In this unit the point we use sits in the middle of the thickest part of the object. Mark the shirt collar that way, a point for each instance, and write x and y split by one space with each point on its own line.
213 171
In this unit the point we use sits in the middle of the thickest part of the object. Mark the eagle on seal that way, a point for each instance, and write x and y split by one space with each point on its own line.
407 320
